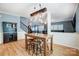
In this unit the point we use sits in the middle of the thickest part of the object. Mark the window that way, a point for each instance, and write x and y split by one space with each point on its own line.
57 28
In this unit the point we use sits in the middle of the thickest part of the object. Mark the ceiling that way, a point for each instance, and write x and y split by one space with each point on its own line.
59 11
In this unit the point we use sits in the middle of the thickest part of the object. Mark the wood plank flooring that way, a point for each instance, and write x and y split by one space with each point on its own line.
18 49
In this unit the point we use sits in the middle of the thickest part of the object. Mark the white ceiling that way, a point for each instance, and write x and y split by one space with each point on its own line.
59 11
15 8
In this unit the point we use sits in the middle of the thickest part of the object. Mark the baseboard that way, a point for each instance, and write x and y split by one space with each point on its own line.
66 46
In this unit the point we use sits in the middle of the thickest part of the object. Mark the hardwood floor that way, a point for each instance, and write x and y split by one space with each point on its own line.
60 50
18 49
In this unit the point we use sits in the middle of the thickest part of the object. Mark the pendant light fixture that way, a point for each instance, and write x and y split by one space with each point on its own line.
38 15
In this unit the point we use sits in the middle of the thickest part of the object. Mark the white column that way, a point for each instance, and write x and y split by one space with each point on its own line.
48 22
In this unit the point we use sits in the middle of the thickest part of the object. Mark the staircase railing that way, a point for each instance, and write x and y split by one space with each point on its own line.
24 24
23 27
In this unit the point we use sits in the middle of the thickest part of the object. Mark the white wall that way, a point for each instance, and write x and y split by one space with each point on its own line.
11 18
66 39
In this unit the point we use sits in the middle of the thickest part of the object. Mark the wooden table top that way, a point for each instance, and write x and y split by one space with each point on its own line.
42 36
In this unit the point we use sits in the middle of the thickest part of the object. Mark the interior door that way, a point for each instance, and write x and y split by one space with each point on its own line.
9 32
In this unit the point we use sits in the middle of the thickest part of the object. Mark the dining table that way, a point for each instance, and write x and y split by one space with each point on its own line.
46 39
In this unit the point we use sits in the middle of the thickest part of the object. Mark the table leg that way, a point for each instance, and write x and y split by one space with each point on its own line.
44 47
51 44
26 46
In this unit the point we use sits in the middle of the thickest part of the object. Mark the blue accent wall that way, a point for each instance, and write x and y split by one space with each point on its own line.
67 26
11 18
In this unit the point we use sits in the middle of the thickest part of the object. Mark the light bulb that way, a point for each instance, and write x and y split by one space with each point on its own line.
45 22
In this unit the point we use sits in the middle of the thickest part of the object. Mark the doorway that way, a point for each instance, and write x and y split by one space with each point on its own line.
9 32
